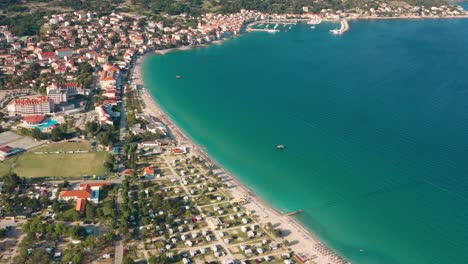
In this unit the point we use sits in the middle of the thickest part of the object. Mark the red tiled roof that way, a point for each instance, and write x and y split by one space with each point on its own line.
80 194
149 170
34 119
29 101
81 205
47 54
70 85
177 150
6 149
128 172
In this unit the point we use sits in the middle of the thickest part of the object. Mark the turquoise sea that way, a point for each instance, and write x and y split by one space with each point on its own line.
375 123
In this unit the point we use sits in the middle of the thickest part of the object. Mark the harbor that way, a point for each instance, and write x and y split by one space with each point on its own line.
264 25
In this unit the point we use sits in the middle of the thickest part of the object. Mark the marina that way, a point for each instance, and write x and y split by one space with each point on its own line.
264 25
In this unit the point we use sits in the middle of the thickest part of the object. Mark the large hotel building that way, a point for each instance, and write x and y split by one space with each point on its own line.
29 106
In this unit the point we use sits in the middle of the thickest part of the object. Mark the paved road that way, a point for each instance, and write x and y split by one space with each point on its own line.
15 248
119 250
123 120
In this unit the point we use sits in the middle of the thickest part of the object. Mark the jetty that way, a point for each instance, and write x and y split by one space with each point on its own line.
293 213
344 27
262 30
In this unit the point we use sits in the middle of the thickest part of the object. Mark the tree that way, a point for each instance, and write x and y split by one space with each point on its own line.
105 138
92 127
57 134
38 256
127 260
276 232
109 166
36 133
76 231
90 212
161 259
11 181
78 258
3 233
109 162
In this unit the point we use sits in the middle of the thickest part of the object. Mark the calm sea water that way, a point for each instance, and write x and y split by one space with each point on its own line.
375 123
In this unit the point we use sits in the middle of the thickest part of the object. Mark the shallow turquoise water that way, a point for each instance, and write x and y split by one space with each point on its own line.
375 123
48 123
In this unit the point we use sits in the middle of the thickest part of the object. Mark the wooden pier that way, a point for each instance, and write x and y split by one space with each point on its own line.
293 213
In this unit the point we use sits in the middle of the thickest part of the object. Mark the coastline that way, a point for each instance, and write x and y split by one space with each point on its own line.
301 240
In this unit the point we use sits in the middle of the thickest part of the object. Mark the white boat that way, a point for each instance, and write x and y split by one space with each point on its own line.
315 21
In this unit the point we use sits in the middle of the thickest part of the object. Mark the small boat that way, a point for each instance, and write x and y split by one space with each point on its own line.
178 77
280 147
315 21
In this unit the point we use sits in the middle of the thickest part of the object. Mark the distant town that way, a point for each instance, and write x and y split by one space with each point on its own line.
94 172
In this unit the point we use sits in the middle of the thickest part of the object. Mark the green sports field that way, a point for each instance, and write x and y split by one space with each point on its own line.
30 164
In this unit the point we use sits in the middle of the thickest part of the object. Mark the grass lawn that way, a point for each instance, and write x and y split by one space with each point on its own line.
55 165
63 146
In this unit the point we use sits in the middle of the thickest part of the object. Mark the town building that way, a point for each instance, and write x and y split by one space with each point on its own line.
34 119
64 52
86 192
30 106
6 152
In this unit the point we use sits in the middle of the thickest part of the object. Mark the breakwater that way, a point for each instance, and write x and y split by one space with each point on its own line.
344 27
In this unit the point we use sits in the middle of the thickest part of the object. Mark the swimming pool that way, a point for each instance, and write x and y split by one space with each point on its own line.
48 123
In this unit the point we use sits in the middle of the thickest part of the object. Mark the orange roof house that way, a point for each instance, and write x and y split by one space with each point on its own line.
75 194
81 205
34 119
148 171
179 150
86 192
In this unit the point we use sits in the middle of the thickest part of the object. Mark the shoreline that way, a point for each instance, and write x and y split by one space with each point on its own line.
302 240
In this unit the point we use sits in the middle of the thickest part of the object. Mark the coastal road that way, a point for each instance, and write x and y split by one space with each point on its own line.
123 120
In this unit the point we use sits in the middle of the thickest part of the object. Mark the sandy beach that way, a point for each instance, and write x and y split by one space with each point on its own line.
300 239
